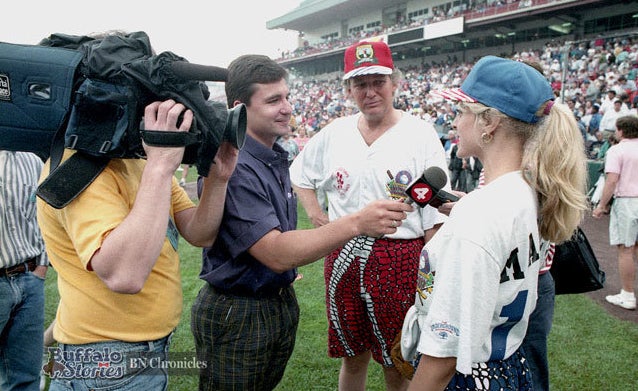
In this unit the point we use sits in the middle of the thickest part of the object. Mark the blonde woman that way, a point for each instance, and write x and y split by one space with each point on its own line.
477 283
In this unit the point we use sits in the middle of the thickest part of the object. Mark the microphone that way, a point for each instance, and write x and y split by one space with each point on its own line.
188 71
427 190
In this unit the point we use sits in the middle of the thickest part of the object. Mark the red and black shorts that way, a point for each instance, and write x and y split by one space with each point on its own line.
370 285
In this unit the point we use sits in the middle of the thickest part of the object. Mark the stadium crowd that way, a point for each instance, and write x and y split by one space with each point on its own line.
598 72
475 8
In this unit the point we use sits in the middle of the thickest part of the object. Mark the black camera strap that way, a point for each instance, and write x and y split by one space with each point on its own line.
67 180
70 178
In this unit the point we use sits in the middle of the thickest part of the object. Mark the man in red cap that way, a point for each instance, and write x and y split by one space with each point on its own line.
373 154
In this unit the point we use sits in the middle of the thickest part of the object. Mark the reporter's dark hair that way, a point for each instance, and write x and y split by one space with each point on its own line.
246 71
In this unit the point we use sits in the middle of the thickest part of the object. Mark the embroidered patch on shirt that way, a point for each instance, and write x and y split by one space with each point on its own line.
425 276
341 175
444 330
395 188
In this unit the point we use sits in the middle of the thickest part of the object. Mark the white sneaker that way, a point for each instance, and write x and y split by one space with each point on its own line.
182 182
621 301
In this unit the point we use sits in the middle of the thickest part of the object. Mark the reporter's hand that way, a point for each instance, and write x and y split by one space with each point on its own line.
446 208
382 217
163 116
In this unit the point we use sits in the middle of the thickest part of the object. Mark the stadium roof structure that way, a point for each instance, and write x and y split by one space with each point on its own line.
506 28
312 14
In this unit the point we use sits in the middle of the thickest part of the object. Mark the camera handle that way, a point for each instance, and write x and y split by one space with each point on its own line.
158 138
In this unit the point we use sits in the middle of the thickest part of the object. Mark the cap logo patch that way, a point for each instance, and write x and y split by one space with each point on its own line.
365 54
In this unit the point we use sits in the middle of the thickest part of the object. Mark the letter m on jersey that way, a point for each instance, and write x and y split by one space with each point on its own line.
512 267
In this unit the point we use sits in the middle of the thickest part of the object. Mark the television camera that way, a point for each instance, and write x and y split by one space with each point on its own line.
89 94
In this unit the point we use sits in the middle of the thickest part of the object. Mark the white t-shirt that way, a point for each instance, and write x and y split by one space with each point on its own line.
337 160
478 276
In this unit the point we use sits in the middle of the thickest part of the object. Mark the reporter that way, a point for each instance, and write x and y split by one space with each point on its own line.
245 317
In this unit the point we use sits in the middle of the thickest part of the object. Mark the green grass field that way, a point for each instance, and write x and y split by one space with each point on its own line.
588 349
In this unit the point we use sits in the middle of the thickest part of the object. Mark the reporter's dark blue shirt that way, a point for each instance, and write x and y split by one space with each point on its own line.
259 199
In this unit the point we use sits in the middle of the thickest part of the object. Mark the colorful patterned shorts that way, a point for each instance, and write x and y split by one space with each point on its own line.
370 285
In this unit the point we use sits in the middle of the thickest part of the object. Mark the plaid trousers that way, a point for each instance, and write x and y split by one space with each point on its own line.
245 341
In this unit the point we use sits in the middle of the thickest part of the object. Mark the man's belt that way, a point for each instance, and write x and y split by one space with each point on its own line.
20 268
263 294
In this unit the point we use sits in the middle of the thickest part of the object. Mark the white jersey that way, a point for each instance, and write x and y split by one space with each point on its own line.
352 174
478 275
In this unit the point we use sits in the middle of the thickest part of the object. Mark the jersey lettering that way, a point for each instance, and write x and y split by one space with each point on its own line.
512 267
533 254
513 312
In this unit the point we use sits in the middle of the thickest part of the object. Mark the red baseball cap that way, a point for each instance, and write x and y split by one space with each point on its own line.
367 58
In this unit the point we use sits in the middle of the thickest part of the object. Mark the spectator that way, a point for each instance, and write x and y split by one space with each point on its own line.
592 93
185 168
450 142
23 267
457 170
621 183
628 86
625 103
607 103
594 146
474 168
451 139
594 121
287 142
602 152
608 121
302 138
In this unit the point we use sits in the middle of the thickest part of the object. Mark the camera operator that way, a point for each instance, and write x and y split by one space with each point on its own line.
114 248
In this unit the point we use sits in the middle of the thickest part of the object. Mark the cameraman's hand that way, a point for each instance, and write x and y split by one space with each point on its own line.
224 163
163 116
200 226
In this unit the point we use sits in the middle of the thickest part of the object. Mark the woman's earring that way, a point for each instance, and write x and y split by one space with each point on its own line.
486 138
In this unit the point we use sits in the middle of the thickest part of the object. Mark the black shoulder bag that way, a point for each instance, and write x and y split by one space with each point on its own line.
575 268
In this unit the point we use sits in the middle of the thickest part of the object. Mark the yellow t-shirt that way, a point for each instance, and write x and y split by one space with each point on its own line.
88 311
